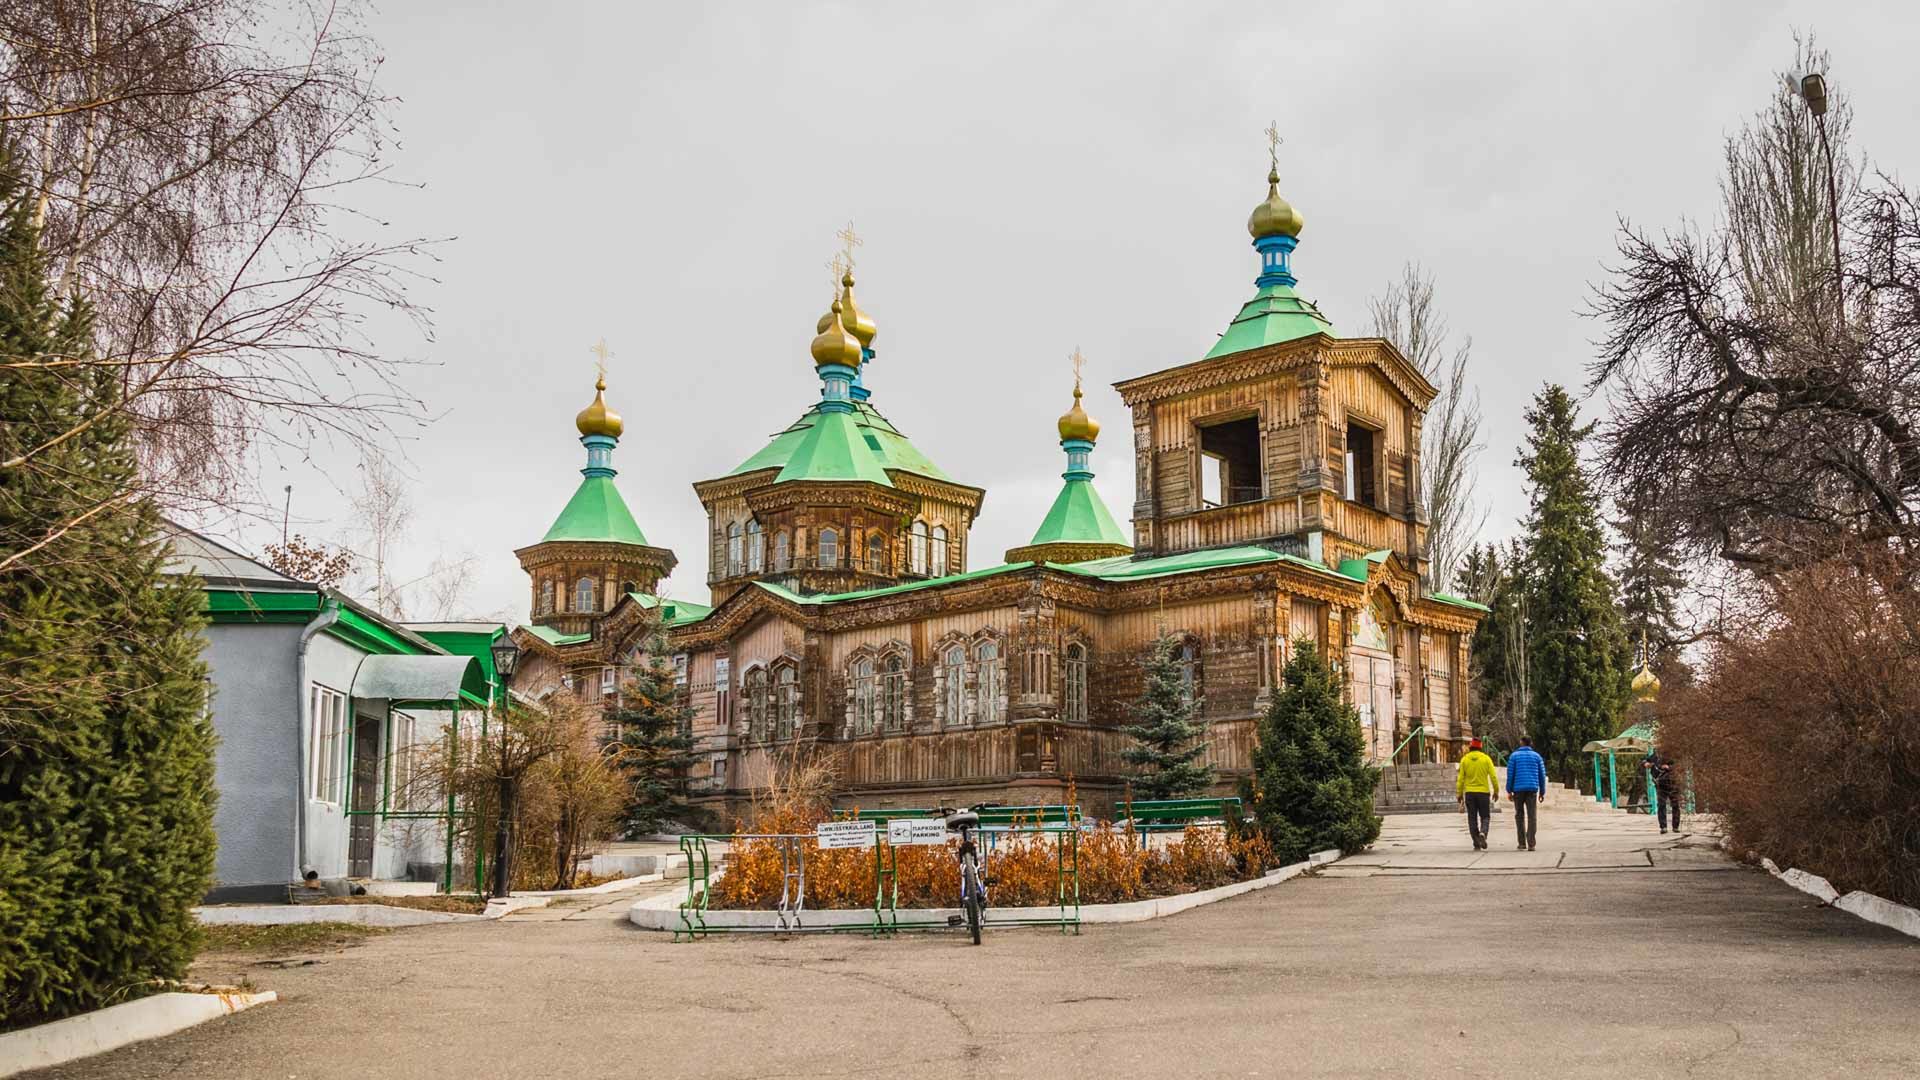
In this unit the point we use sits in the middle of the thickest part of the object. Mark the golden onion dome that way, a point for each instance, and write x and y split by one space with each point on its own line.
855 320
1076 424
597 419
1646 685
834 345
1276 216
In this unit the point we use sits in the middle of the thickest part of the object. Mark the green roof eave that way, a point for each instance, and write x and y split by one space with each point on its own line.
596 512
1457 601
785 593
475 643
554 637
370 633
1079 516
672 612
255 606
1275 314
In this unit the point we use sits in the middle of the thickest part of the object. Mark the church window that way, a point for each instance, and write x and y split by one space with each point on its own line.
786 702
1230 462
546 597
782 554
894 702
829 549
733 550
876 552
864 693
939 550
1189 659
583 595
953 690
1075 706
755 551
1362 482
759 702
992 681
917 558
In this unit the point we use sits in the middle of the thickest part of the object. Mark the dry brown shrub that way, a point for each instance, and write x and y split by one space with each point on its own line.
1804 728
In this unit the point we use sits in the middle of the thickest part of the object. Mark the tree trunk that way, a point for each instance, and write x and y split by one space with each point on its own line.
502 844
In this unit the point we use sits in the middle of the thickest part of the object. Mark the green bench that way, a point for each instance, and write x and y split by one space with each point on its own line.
991 816
1167 815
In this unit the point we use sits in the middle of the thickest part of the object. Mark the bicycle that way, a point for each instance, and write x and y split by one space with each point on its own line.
973 883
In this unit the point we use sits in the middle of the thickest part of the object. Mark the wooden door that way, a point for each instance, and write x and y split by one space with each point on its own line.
366 795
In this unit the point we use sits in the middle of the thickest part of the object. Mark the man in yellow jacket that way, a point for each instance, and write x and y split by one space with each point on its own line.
1475 788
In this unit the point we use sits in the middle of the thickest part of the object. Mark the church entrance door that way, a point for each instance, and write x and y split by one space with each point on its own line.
1373 697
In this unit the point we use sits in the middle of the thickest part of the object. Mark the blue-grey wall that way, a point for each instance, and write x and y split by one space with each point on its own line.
256 713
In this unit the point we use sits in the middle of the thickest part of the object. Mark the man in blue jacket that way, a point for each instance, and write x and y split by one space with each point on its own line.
1526 785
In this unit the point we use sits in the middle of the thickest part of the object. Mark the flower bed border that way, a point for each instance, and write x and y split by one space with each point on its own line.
360 914
662 912
59 1041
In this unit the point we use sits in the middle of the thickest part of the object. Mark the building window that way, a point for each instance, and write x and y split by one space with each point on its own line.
786 702
993 681
1189 658
917 549
829 549
583 594
759 703
894 699
756 548
733 550
679 668
782 554
408 759
939 549
546 597
865 692
1230 462
329 747
609 679
876 552
1362 483
953 689
1074 709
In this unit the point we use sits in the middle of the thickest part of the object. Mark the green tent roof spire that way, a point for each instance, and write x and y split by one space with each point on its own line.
1078 526
1276 313
596 511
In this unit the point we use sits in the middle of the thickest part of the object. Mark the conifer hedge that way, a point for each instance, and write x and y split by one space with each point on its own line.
106 752
1311 787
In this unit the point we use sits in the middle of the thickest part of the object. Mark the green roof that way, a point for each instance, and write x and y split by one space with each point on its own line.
596 512
673 612
860 445
1275 314
1079 516
889 590
554 637
1457 601
1128 568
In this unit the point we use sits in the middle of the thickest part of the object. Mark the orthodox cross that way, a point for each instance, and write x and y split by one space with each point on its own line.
848 241
1273 144
837 268
1078 363
601 351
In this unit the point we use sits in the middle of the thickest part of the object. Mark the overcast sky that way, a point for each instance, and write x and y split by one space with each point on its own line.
1027 178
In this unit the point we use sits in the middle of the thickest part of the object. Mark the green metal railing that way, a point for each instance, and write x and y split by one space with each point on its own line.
885 919
1168 815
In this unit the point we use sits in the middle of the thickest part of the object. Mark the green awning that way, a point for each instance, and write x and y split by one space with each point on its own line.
440 682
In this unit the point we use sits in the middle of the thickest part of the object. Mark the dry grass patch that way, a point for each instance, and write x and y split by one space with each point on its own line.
284 937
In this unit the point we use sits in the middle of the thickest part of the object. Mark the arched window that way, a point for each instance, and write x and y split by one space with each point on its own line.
953 688
917 553
829 549
782 554
876 552
940 568
546 597
583 595
786 701
755 550
1074 709
1189 655
864 693
734 565
993 680
894 695
758 702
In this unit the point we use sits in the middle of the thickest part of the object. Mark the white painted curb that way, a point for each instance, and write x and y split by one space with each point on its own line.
1865 905
358 914
603 887
111 1028
662 912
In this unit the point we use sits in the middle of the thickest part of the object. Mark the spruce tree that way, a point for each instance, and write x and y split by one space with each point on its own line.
1650 588
106 753
1166 730
653 744
1577 654
1311 787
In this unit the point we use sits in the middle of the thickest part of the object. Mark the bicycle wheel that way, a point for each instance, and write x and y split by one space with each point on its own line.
970 895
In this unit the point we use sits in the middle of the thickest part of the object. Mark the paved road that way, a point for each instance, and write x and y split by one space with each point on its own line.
1606 954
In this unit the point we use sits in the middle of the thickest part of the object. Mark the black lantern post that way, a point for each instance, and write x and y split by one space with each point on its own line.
506 656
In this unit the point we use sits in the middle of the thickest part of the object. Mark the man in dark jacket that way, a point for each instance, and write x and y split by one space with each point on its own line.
1526 786
1665 781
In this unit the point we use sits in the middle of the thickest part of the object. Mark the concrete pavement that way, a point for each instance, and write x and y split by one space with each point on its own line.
1607 955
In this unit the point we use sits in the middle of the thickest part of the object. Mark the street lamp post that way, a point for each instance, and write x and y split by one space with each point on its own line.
506 656
1812 89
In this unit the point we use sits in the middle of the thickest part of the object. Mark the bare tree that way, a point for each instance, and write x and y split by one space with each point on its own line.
1450 438
1764 422
382 513
194 165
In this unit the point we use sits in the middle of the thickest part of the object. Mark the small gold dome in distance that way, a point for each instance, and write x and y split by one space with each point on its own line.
1076 424
1276 216
1646 685
597 419
835 345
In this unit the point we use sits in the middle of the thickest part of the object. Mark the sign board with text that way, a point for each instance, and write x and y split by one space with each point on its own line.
844 834
908 832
